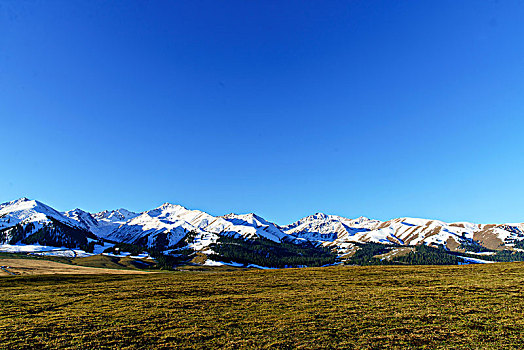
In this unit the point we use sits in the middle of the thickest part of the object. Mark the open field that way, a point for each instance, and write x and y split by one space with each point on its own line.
44 267
459 307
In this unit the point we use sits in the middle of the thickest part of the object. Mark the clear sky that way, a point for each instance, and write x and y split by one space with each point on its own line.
284 108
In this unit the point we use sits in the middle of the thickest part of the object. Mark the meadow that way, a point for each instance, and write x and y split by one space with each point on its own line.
344 307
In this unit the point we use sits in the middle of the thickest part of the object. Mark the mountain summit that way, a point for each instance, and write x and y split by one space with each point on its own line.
25 221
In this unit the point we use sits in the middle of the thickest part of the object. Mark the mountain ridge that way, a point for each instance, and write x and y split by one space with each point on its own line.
168 225
30 221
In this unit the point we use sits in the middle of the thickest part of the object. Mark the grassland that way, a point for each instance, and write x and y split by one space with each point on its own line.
98 261
45 267
374 307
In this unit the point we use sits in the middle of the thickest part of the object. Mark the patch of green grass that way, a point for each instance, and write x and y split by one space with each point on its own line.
374 307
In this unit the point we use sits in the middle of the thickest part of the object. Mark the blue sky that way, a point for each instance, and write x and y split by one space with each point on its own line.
374 108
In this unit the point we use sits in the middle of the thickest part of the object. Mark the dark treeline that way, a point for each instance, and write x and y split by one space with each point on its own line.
423 255
473 246
519 244
365 255
265 252
163 261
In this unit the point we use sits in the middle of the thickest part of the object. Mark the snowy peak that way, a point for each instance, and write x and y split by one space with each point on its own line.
329 228
117 215
417 231
169 210
30 221
169 223
323 218
250 219
162 227
253 226
85 219
411 231
102 223
175 212
166 225
24 210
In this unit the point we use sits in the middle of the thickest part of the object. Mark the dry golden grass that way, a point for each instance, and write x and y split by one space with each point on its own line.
376 307
45 267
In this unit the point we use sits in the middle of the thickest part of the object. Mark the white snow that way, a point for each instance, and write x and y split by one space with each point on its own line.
102 223
476 261
128 255
25 211
176 221
261 267
210 262
169 223
328 228
203 240
42 250
481 253
25 248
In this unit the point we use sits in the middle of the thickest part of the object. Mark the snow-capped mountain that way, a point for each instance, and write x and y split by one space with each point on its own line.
160 228
169 223
329 228
102 223
24 220
83 218
115 216
335 230
30 221
26 210
253 226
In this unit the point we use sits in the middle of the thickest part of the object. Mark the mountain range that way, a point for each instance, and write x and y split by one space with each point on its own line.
25 221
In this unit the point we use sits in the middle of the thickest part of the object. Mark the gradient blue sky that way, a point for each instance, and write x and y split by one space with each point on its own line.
284 108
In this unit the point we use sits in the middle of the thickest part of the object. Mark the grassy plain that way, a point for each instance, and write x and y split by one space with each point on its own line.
375 307
45 267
